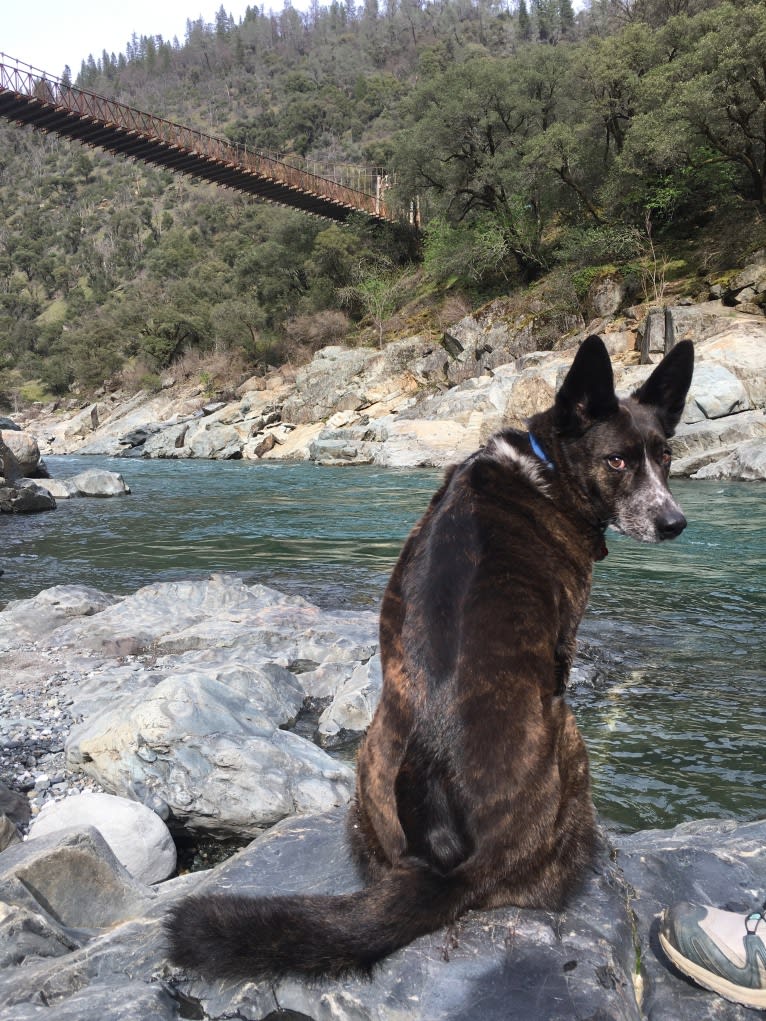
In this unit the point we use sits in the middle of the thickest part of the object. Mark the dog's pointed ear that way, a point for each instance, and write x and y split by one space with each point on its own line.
587 393
665 390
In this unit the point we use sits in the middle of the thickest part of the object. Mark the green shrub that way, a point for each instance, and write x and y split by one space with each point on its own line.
57 374
594 246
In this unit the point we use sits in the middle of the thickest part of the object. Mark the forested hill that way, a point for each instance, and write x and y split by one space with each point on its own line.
537 142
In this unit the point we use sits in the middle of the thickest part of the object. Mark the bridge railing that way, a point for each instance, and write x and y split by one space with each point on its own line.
367 194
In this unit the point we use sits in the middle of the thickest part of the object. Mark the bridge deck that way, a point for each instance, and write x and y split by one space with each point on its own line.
28 96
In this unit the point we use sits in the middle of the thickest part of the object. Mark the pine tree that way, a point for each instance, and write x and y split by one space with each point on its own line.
525 26
566 18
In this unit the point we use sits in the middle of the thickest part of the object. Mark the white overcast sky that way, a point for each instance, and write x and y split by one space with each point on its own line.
50 34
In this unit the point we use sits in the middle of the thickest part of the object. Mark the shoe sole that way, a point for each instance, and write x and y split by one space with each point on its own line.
716 983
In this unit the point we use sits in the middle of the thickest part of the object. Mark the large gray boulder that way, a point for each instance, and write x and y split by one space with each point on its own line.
715 392
697 444
168 442
10 468
139 839
741 347
26 497
92 482
214 753
747 463
216 441
25 452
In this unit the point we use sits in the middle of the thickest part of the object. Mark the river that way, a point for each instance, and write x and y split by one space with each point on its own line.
676 721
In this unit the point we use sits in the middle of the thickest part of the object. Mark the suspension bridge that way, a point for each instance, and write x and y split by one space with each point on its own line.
31 96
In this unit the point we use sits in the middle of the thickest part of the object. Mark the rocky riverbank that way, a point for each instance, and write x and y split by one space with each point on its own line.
218 713
215 710
427 402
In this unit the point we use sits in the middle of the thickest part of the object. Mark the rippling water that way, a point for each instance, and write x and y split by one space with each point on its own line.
680 733
328 534
676 725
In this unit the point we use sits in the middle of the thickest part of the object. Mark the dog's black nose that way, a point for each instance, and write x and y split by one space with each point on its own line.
671 524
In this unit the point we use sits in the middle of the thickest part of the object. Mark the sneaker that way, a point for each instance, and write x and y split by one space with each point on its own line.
721 950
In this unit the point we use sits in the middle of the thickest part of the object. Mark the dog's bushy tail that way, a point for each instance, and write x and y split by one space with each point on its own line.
225 936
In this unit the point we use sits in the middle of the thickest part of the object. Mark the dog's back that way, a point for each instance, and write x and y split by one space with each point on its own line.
472 755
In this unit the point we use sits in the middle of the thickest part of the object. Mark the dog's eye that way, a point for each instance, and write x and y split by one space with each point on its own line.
666 458
616 462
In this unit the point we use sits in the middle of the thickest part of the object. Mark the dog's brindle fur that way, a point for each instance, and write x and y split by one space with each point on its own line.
473 788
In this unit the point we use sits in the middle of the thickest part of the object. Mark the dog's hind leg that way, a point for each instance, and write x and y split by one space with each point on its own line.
542 873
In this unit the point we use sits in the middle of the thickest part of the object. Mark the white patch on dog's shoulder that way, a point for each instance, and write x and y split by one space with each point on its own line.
501 450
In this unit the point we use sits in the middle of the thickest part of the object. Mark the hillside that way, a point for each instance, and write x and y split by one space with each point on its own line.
543 147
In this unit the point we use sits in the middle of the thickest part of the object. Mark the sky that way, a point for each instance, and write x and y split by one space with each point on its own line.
49 34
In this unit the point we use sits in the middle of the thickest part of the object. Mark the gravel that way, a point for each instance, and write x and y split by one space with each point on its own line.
34 725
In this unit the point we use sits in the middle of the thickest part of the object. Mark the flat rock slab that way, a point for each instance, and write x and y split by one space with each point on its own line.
135 1002
509 964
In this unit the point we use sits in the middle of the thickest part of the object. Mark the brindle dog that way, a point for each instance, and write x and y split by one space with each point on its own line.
473 787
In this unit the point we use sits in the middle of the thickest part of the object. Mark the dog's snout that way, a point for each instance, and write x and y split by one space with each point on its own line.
671 523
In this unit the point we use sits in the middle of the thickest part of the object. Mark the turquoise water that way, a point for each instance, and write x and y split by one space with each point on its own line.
676 721
331 535
679 731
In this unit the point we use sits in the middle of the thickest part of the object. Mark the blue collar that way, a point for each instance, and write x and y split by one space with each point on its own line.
538 451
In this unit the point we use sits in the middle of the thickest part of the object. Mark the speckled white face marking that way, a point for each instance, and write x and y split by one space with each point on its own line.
648 506
649 501
501 450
